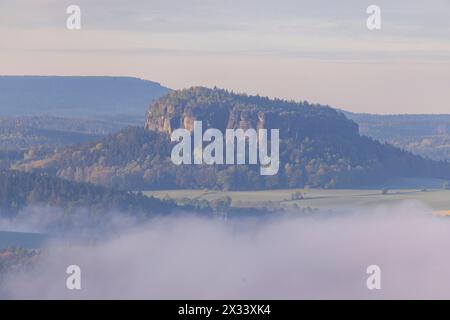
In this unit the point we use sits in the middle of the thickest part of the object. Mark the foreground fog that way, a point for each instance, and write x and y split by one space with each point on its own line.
288 258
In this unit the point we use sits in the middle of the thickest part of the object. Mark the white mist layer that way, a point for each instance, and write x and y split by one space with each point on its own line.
312 257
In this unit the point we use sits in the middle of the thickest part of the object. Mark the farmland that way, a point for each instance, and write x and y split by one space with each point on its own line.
436 199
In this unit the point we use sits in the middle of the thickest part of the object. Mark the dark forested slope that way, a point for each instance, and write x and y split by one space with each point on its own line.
21 189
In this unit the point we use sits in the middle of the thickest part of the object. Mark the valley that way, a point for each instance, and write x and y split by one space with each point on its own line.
224 151
322 199
328 158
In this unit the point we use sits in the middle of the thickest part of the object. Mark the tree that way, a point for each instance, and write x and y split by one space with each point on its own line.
221 204
297 195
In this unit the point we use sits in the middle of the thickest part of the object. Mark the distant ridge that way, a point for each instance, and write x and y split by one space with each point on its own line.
80 96
427 135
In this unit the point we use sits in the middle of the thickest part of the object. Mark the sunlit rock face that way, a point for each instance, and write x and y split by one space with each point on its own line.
224 110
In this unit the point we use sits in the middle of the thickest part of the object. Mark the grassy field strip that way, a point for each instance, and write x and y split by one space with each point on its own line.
437 199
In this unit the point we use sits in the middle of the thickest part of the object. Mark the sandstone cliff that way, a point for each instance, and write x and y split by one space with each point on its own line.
221 109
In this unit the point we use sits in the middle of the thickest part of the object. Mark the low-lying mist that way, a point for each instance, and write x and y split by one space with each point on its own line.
291 257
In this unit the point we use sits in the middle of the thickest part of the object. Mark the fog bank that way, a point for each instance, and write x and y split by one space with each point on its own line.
311 257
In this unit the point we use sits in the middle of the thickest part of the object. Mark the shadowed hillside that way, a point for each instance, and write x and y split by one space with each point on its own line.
76 96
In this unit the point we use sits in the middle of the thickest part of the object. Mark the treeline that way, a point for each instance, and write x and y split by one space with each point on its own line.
85 204
17 259
20 189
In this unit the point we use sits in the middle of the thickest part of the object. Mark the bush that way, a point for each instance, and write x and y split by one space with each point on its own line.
297 195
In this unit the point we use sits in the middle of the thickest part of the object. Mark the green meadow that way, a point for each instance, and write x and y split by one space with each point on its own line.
437 199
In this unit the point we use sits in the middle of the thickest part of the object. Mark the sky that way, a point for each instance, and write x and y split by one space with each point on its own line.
320 51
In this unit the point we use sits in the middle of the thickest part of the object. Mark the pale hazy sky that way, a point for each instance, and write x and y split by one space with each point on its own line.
316 50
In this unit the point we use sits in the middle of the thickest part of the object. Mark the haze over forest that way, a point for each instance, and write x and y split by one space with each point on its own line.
87 177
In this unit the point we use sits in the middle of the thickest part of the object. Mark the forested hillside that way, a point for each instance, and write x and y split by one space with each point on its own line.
19 190
425 135
319 147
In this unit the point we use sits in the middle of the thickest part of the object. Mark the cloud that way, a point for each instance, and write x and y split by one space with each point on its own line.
320 51
288 258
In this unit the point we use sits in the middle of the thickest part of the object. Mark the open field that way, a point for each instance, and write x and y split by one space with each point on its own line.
437 199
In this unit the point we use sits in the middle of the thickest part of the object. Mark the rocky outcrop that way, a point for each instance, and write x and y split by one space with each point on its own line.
180 109
167 117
